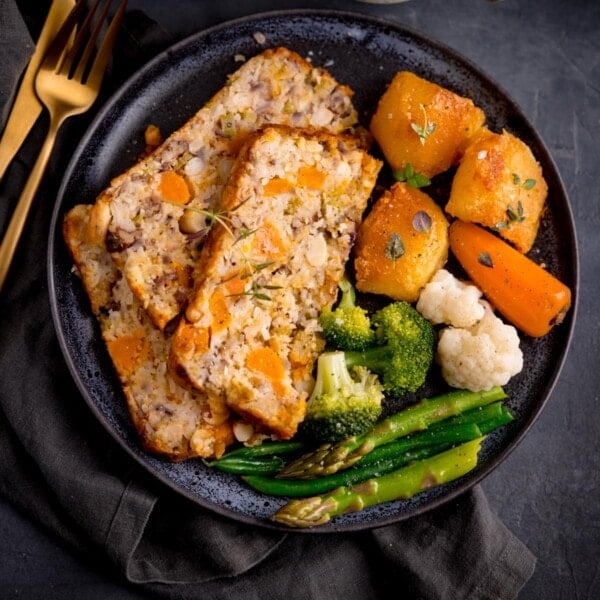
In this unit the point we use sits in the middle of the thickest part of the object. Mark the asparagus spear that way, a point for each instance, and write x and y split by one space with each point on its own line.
452 431
403 483
331 458
320 485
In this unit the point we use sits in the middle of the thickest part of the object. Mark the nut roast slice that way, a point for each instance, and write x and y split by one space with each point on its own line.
289 216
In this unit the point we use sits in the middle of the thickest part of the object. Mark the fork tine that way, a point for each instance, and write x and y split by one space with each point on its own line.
57 50
104 52
74 54
72 57
83 58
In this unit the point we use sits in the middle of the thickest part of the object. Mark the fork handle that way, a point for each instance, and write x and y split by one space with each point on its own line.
19 216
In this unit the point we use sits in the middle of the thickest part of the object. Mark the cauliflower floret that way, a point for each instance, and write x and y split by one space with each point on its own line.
481 356
446 299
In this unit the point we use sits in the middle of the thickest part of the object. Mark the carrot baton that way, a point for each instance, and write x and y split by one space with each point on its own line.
527 295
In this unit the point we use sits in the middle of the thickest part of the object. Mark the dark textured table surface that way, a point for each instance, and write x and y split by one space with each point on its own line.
547 56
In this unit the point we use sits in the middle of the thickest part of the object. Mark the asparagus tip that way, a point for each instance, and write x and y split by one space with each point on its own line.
325 460
306 512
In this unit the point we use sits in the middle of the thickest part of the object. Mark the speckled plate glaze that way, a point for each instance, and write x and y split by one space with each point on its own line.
364 53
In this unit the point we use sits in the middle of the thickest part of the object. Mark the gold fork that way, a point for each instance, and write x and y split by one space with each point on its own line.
67 83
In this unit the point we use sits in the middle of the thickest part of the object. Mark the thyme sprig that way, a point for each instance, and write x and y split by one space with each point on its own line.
255 287
251 268
425 130
528 184
408 174
255 291
516 216
512 216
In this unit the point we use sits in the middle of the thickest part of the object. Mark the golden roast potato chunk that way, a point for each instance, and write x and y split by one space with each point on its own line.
499 184
420 123
401 244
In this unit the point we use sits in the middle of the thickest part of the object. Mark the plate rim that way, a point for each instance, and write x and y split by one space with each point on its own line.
139 76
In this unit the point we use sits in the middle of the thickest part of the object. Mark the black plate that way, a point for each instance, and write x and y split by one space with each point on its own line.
364 53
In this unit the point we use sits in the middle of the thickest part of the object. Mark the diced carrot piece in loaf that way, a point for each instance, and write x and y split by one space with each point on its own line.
275 186
311 177
174 187
266 361
219 310
128 351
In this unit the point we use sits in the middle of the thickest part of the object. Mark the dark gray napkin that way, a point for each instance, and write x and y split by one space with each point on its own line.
15 49
65 472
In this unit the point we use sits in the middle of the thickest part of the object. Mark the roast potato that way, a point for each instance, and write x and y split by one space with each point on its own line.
424 124
400 244
499 185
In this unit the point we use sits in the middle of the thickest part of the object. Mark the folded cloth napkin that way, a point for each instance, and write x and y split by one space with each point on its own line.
15 49
67 473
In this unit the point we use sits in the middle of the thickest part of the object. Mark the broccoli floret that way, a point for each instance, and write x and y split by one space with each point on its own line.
404 348
341 405
347 326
